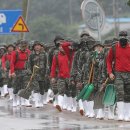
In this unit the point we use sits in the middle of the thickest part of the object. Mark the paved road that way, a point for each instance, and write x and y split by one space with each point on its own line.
48 118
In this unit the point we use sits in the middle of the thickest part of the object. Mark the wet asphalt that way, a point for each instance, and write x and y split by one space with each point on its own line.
48 118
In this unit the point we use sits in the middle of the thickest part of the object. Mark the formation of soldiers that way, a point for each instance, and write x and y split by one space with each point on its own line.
64 69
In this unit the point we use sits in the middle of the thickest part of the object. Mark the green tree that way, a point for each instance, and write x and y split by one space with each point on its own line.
46 28
128 2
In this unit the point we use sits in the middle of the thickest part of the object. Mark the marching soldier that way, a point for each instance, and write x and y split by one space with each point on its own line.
61 65
70 93
38 57
18 72
53 51
2 76
107 45
120 73
80 59
6 58
98 61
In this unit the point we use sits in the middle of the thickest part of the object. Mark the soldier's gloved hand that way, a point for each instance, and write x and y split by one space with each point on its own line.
53 80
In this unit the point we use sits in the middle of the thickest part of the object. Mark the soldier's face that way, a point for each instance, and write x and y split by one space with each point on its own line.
10 49
23 47
99 49
37 47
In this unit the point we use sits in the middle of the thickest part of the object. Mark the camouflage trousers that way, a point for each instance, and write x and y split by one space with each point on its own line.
71 90
122 86
7 80
38 85
47 83
1 82
60 86
98 97
20 81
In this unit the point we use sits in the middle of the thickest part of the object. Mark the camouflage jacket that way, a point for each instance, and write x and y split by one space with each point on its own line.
40 60
80 58
98 61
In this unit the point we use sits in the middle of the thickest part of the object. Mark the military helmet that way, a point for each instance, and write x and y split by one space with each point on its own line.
42 44
3 45
57 39
123 33
108 42
98 43
24 42
2 50
36 43
84 33
10 45
17 43
83 40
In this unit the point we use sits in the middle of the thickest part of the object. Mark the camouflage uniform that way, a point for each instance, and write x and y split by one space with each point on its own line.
123 82
38 83
2 51
61 84
19 81
81 62
6 79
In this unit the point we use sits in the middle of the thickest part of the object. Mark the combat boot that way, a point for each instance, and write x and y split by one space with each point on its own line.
60 103
88 109
85 105
10 93
111 112
126 113
40 100
55 102
22 101
81 109
120 113
69 108
36 98
27 103
5 90
65 102
100 114
50 95
45 98
91 114
14 100
74 107
2 91
18 100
